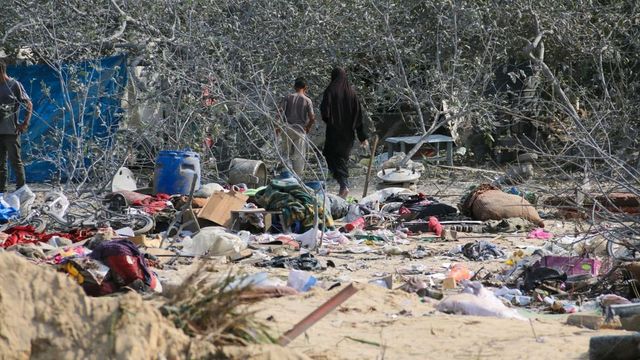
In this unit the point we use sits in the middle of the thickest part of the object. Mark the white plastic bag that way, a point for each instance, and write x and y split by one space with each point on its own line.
57 203
26 197
301 280
245 236
207 190
478 301
374 200
353 214
214 240
12 200
309 239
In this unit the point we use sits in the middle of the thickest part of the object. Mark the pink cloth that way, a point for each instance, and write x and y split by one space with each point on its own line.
541 234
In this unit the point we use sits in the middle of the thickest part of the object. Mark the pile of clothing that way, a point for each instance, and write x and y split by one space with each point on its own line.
298 206
306 262
420 206
111 266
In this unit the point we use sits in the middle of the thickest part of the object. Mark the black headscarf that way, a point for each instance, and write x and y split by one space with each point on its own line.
342 112
340 104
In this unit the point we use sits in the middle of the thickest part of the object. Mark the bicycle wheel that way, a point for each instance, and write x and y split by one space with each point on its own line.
624 250
38 224
141 224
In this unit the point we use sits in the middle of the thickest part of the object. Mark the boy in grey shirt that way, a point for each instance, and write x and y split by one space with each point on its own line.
297 110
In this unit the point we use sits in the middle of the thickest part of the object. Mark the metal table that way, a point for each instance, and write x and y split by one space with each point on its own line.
391 142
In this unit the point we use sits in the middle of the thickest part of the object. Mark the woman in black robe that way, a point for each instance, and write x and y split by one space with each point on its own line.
342 112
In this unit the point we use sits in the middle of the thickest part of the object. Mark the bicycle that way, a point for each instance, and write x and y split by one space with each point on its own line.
85 214
81 213
623 244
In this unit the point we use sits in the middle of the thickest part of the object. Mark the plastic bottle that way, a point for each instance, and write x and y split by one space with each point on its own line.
356 224
506 291
435 226
522 300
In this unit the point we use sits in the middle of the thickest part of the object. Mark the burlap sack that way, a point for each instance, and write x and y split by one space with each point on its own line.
497 205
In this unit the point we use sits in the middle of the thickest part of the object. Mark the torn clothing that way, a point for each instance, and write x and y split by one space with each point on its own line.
26 234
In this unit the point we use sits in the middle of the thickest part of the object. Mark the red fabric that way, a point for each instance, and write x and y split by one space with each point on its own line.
152 204
74 235
21 235
435 226
404 211
149 204
28 235
125 268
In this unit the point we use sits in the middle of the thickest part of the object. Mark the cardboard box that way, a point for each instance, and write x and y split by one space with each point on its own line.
143 240
219 206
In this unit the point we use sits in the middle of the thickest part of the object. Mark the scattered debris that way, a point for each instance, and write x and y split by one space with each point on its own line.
132 240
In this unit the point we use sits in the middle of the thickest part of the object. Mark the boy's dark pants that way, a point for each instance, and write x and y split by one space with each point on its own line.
10 148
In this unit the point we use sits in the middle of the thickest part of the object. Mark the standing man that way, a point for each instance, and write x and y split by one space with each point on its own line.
299 117
12 98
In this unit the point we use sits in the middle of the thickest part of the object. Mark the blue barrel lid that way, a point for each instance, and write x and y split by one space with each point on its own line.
178 153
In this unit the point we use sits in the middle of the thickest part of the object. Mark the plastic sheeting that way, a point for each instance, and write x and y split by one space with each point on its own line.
79 100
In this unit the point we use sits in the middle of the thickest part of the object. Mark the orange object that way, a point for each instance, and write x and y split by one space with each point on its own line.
459 272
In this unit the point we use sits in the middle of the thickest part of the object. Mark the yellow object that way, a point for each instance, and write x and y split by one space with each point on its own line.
515 257
74 273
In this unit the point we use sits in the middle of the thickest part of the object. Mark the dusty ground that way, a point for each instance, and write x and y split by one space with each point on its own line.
379 323
375 323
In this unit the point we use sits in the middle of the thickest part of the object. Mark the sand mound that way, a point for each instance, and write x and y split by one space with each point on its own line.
263 352
44 315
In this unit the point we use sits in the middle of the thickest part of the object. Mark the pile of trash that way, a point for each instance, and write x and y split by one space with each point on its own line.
122 241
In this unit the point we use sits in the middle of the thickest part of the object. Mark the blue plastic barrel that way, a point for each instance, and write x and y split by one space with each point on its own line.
174 172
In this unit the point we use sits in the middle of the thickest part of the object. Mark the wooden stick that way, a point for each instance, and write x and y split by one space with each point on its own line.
373 156
317 314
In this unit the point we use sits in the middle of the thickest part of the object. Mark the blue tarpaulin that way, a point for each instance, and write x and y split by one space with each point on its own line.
71 101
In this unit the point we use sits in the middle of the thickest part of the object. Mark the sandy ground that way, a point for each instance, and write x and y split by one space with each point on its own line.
377 323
